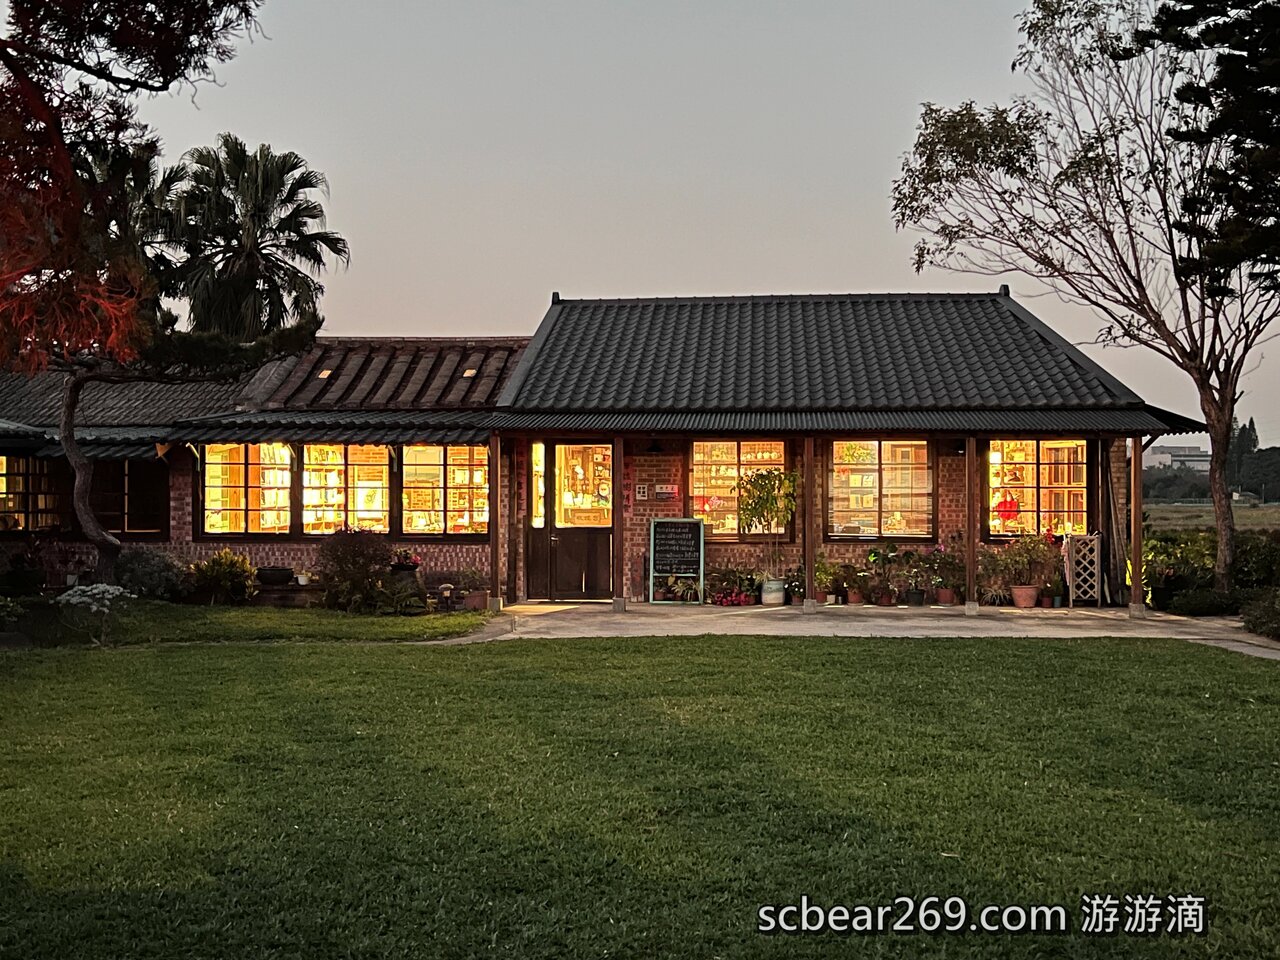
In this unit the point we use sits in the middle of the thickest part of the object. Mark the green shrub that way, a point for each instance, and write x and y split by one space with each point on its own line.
354 565
1262 616
226 577
1257 560
1211 603
151 574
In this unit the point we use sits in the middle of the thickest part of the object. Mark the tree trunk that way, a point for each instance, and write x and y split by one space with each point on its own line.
108 546
1219 422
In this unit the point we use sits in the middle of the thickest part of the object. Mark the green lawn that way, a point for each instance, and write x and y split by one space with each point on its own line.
152 622
624 797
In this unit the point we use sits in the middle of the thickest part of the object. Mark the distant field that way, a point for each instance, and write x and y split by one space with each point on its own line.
1165 516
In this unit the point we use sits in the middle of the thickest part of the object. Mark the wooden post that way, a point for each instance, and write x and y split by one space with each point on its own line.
618 505
495 521
807 529
1137 595
972 489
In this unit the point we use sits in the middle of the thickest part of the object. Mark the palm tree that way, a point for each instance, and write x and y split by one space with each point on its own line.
253 237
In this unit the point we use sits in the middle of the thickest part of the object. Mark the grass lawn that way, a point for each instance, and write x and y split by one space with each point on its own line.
625 797
153 622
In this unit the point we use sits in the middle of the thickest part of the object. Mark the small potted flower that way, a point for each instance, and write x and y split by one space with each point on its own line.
914 575
404 560
882 562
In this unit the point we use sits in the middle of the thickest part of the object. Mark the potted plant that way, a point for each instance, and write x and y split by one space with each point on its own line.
270 576
1029 564
403 560
882 561
947 574
825 577
475 589
914 575
767 502
993 578
303 577
686 590
1058 589
795 585
859 591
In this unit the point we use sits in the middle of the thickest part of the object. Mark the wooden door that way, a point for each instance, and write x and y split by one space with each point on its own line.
570 521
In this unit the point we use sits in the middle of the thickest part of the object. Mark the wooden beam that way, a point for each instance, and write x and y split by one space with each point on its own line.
971 492
619 529
807 531
495 521
1137 596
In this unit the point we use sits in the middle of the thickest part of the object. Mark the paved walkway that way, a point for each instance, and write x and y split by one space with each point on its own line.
647 620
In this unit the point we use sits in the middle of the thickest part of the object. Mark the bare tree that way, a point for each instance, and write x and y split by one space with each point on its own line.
1079 185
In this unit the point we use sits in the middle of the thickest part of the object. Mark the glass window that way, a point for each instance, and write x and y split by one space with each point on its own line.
1037 486
131 496
446 489
346 486
714 472
538 493
246 488
584 485
880 488
35 494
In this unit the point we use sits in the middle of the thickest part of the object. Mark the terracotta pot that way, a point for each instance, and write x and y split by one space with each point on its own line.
1025 596
946 596
820 596
1046 602
476 600
855 596
884 600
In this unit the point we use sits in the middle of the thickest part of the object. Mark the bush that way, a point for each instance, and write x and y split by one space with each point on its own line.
94 608
1262 616
354 564
1257 562
1211 603
151 574
225 577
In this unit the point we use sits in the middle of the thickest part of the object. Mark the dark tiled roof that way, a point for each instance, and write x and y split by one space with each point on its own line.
352 426
805 353
397 374
1144 420
37 400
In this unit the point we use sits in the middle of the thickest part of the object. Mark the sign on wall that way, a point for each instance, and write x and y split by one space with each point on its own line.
665 492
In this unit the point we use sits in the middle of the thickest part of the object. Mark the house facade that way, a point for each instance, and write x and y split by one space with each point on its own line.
912 418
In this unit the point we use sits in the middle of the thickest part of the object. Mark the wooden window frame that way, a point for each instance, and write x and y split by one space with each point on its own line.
788 535
1091 459
63 494
397 481
879 537
295 533
135 536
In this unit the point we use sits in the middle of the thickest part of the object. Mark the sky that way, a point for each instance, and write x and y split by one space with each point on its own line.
483 154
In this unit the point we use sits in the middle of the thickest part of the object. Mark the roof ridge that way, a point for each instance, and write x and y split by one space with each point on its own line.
783 297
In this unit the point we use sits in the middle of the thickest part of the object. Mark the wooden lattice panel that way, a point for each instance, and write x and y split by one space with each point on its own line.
1084 567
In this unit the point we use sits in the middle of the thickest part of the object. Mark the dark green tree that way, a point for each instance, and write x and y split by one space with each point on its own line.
1239 107
252 238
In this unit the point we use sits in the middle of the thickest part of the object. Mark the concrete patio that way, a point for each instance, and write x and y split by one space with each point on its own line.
548 620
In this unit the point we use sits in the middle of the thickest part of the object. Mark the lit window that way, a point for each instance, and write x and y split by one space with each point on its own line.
584 485
246 487
1037 486
880 488
716 468
35 494
345 486
538 494
446 489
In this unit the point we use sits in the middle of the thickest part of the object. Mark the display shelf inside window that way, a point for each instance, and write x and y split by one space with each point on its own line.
717 466
324 488
584 485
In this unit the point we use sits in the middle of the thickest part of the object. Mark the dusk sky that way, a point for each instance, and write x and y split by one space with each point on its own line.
484 154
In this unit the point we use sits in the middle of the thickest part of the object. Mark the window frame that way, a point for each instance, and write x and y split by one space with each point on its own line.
788 535
1091 460
295 533
62 481
165 483
397 482
931 456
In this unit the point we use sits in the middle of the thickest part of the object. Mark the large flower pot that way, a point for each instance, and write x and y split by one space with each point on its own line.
1025 596
946 597
884 600
476 600
274 576
820 596
915 598
773 593
856 597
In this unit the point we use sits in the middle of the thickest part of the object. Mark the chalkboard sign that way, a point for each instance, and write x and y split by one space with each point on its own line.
676 550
